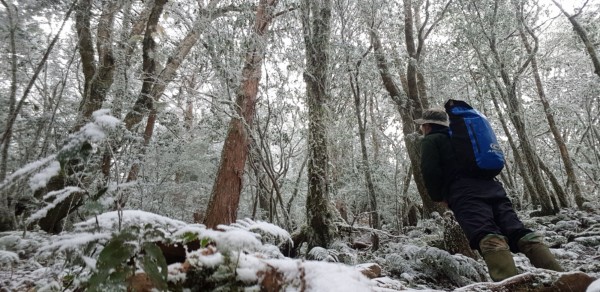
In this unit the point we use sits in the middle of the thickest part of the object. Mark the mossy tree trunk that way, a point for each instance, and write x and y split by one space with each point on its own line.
316 17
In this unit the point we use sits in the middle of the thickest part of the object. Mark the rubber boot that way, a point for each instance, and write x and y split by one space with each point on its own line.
537 252
498 257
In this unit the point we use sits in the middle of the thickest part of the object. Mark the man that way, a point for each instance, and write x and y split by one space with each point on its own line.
481 206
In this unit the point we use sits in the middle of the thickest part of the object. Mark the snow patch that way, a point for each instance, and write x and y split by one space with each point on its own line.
30 167
8 257
594 287
110 221
59 195
103 118
42 178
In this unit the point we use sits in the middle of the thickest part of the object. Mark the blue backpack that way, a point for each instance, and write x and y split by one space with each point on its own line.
476 147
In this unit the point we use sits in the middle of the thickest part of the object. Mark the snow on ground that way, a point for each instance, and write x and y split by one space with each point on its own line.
594 287
410 262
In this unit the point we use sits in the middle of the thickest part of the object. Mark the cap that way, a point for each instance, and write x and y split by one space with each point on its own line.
434 116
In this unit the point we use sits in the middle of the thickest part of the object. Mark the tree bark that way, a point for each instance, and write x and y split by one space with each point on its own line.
225 195
86 46
514 106
145 102
98 79
414 108
131 27
316 27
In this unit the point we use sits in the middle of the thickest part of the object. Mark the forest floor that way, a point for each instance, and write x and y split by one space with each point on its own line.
36 261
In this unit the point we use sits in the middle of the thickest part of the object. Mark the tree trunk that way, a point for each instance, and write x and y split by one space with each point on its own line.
10 9
411 107
507 89
408 127
572 180
262 195
589 46
123 57
316 17
85 44
365 164
12 116
558 189
375 139
514 106
98 79
225 195
6 210
366 167
96 85
154 84
415 108
146 101
519 161
7 217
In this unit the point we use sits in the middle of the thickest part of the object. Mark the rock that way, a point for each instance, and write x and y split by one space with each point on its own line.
576 281
271 280
590 207
176 252
370 270
360 245
140 283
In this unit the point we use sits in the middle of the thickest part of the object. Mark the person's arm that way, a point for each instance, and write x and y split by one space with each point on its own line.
431 169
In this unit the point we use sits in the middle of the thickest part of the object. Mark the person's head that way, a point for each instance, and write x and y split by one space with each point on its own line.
432 118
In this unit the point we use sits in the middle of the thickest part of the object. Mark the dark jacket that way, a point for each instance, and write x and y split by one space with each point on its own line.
480 206
438 164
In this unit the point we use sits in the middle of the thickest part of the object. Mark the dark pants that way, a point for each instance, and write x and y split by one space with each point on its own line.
482 207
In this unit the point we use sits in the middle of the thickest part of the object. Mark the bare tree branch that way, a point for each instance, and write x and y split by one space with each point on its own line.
583 35
13 116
